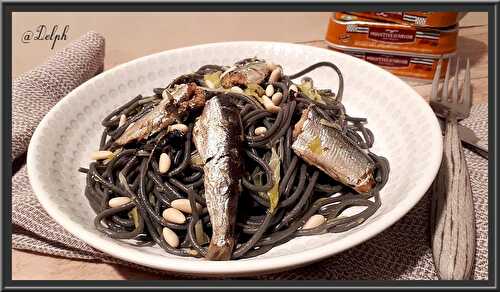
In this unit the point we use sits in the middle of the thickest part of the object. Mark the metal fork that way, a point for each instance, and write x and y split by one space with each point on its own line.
452 211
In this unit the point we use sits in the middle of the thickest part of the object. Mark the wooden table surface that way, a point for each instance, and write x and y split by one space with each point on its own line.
136 36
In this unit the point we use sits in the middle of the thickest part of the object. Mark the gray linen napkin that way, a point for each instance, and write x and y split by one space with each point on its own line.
401 252
35 92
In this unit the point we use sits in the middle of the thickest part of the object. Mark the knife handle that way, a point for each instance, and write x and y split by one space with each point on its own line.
452 220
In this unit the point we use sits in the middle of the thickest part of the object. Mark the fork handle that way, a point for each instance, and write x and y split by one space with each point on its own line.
452 211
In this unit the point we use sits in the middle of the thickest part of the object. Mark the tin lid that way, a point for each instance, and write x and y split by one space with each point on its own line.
355 20
397 53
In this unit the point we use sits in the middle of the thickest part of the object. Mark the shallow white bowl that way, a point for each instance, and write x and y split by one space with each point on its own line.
406 133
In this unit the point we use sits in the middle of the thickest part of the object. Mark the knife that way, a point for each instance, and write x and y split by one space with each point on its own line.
469 139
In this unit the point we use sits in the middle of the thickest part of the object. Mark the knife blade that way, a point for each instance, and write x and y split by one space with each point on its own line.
469 139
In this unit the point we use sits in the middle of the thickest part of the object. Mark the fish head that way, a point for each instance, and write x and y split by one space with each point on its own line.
250 71
186 99
176 94
179 93
365 183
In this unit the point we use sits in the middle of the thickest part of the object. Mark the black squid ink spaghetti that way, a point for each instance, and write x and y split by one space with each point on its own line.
229 161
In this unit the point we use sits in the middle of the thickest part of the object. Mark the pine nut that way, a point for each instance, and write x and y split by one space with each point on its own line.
173 215
260 131
269 105
270 90
119 201
293 87
184 205
236 89
123 119
277 97
170 237
314 221
100 155
164 163
116 152
193 252
179 127
275 75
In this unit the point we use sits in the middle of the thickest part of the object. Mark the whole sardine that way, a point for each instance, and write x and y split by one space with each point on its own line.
252 71
218 137
175 105
327 148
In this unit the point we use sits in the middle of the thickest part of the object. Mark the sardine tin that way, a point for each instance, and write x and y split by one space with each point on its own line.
399 63
357 32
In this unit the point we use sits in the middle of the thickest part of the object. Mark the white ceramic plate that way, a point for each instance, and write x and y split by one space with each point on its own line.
406 133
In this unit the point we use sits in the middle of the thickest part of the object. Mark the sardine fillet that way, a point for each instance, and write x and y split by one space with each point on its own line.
218 137
168 111
330 150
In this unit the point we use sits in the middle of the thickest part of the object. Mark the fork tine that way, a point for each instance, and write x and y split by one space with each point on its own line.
454 97
444 91
466 91
435 81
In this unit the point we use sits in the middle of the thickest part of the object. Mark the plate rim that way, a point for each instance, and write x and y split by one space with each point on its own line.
234 267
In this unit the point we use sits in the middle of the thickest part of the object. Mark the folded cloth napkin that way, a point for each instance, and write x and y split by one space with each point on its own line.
35 92
401 252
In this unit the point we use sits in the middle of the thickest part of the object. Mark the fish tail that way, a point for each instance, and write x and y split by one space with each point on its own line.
219 253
